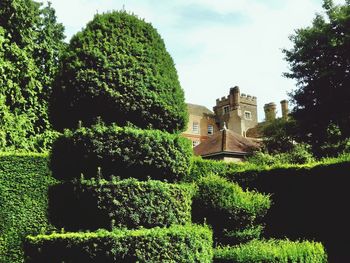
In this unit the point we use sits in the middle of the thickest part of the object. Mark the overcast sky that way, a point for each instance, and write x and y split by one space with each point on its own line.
216 44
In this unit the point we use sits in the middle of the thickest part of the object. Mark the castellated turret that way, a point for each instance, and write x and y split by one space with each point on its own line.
238 111
270 111
285 110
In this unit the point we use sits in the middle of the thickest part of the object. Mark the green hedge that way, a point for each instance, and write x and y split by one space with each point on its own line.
124 152
227 207
309 201
93 204
272 251
24 182
175 244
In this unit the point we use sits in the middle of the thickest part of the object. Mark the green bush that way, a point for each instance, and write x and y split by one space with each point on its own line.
204 167
227 207
272 251
24 182
93 204
124 152
175 244
117 68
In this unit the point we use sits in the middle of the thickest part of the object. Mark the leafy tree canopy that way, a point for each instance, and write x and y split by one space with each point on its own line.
117 69
320 62
31 41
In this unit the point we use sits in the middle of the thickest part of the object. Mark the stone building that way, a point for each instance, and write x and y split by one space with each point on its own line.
201 124
238 111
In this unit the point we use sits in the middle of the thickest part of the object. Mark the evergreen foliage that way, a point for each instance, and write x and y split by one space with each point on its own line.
120 151
94 204
231 211
272 251
31 42
181 244
24 182
118 69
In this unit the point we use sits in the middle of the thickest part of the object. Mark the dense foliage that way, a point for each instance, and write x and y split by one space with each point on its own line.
272 251
94 204
31 42
124 152
24 182
309 201
231 211
320 62
175 244
118 69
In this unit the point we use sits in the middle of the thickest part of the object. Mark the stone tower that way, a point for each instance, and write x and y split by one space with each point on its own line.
270 111
238 111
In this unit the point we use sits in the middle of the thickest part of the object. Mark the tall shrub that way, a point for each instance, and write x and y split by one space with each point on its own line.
118 69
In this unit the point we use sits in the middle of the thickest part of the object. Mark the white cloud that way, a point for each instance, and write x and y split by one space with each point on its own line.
212 55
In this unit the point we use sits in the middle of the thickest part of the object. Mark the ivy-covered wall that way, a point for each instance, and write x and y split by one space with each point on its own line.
24 183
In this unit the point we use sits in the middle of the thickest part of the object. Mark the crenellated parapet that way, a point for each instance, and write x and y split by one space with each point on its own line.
248 99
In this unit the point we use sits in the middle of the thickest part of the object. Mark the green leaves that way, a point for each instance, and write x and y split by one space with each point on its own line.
281 251
181 244
94 204
320 61
30 45
121 151
118 69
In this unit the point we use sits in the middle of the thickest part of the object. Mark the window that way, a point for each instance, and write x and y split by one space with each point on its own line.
195 143
247 115
226 109
210 129
195 127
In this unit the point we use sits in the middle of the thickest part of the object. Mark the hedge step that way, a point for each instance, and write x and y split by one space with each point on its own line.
272 251
94 204
191 243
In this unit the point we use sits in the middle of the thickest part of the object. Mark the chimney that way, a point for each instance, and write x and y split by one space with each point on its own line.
270 111
234 97
285 111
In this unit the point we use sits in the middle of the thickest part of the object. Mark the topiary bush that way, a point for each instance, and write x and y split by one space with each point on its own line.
94 204
272 251
118 69
175 244
124 152
229 209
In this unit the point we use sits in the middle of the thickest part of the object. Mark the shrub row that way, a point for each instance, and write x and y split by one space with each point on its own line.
24 182
309 201
93 204
123 152
228 208
272 251
175 244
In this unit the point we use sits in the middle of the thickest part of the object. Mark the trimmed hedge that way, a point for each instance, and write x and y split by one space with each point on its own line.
93 204
24 182
227 207
124 152
175 244
309 201
272 251
118 69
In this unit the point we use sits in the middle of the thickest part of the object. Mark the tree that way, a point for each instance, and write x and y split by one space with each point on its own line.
31 42
320 62
278 135
117 69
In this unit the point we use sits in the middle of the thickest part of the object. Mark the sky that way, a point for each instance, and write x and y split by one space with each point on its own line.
215 44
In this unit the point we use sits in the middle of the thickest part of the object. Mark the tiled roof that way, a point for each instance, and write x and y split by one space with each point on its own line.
225 141
198 110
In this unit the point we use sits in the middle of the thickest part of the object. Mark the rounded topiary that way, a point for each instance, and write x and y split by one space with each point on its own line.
117 69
